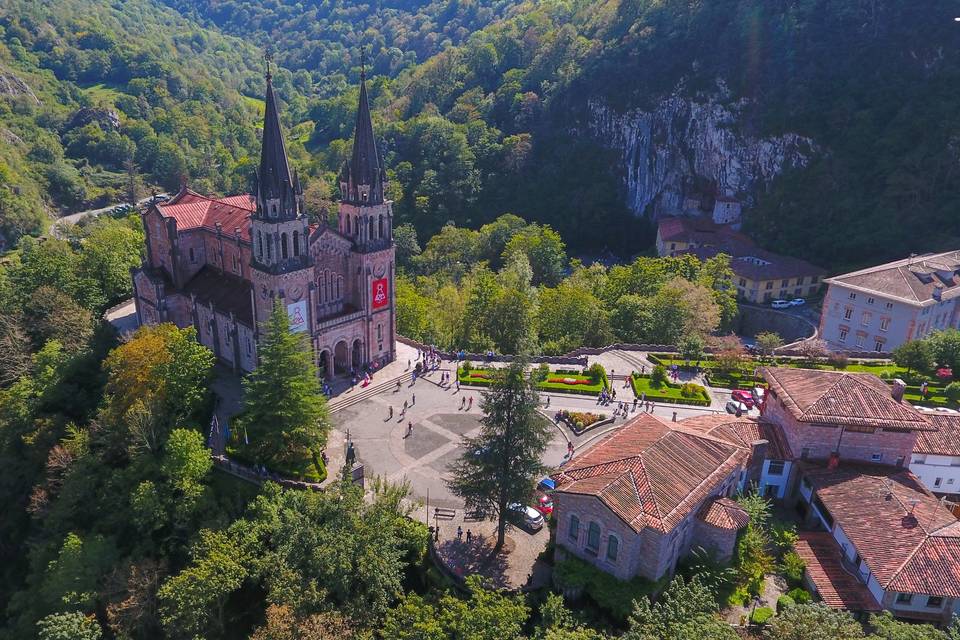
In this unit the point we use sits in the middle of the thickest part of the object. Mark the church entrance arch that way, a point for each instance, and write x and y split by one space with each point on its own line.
323 362
357 354
340 363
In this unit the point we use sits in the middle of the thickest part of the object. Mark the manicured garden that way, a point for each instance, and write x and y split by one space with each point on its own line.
656 388
312 470
587 382
580 421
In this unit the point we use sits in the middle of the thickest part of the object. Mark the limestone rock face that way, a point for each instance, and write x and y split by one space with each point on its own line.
13 85
108 119
682 141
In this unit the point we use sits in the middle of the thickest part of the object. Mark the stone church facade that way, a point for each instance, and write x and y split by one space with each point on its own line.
220 264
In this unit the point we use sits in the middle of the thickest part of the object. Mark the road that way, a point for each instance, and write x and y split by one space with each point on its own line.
74 218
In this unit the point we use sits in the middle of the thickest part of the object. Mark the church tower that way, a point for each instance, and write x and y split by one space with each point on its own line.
366 218
279 228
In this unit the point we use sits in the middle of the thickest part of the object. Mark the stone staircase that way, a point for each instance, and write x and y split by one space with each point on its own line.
359 394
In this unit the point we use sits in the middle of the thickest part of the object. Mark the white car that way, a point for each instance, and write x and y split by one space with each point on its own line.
780 304
797 302
758 393
946 410
526 516
734 406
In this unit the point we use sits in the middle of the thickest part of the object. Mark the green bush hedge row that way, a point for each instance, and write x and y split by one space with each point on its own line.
612 595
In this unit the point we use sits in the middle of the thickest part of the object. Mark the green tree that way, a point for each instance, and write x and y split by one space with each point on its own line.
285 413
51 314
501 465
768 342
884 626
685 611
813 622
691 347
914 355
569 317
407 247
69 626
193 602
545 251
111 248
945 348
15 358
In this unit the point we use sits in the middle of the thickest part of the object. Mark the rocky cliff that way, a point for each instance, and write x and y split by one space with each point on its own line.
684 141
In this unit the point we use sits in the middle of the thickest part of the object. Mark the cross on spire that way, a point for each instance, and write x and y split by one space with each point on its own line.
268 58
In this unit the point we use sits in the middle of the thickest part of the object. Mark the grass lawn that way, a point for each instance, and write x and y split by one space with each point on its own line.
104 93
667 393
580 384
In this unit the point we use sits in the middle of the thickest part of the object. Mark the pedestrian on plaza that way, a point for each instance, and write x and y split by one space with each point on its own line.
398 386
463 401
674 416
459 533
436 533
471 404
634 404
404 405
652 406
391 412
409 429
413 399
458 385
469 536
548 401
408 364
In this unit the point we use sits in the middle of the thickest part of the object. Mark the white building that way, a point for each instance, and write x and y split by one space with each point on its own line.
936 456
880 308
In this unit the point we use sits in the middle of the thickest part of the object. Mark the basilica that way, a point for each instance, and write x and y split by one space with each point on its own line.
220 264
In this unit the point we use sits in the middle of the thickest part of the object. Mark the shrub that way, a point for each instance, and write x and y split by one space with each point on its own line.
793 566
761 615
612 595
800 596
467 366
784 602
953 391
739 597
596 372
659 376
542 372
691 390
783 535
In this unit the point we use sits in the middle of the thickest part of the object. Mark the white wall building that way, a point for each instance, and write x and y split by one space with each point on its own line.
936 456
880 308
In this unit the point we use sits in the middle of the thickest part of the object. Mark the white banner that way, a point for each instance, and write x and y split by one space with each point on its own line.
297 313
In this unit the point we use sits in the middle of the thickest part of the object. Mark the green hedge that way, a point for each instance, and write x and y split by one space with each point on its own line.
612 595
583 390
761 615
314 472
657 395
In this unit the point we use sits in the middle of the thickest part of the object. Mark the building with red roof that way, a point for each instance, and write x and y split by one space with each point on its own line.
221 264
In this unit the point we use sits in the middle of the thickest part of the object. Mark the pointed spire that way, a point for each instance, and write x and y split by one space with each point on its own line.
275 180
364 172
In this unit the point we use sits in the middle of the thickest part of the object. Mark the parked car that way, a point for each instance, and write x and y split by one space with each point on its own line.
734 406
525 516
797 302
946 410
545 505
780 304
744 396
758 394
547 485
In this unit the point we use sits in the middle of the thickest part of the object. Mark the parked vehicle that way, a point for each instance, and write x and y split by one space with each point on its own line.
734 406
797 302
525 516
780 304
545 505
758 393
744 396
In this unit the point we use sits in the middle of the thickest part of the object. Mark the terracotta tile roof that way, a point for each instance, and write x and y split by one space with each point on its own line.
227 292
837 588
651 473
724 513
839 398
754 263
911 280
743 432
194 211
945 441
701 231
906 537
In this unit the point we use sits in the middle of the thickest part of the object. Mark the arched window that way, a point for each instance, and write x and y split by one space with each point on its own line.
260 243
320 288
269 242
283 245
613 548
296 244
348 225
380 227
574 530
370 229
593 537
339 283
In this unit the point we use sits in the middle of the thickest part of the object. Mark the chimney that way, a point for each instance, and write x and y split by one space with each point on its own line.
834 461
897 389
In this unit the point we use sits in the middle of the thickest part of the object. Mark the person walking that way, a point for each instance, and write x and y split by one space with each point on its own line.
459 533
469 536
391 413
463 401
409 429
471 404
413 400
404 405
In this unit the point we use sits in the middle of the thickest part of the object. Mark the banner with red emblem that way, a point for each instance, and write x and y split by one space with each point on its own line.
381 297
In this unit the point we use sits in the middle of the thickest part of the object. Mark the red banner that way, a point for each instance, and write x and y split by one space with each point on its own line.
381 297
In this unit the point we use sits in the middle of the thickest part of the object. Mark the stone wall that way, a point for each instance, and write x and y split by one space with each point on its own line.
752 320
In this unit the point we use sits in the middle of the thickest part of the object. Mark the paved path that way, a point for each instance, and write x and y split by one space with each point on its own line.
74 218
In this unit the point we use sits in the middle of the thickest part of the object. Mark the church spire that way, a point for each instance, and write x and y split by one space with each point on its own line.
363 175
278 189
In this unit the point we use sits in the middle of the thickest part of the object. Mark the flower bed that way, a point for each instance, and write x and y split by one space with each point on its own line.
579 421
669 392
563 381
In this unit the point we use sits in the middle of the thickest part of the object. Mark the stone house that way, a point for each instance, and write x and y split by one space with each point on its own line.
936 455
641 498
